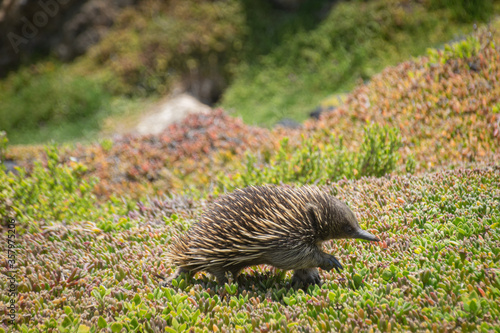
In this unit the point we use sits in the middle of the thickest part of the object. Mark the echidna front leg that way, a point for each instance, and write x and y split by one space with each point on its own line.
329 262
317 258
306 277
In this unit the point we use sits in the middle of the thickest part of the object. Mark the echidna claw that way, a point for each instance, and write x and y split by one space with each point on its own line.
338 265
330 263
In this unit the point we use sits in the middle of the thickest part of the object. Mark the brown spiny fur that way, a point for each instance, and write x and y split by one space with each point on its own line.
280 226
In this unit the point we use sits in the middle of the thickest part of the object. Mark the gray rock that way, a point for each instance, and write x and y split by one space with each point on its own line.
288 123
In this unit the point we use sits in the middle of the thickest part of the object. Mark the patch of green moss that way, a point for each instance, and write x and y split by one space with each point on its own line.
45 101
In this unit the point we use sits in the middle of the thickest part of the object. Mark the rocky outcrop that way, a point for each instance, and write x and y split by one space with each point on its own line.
64 28
169 111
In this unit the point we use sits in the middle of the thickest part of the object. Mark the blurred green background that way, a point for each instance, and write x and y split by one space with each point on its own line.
262 60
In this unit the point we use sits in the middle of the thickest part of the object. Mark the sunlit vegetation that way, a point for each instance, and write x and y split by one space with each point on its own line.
414 152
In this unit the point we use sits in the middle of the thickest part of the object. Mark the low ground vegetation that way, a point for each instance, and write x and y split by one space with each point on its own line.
436 267
425 180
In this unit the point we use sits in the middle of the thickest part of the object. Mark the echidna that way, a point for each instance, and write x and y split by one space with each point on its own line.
280 226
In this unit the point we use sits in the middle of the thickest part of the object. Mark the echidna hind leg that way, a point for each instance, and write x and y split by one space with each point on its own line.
219 274
178 272
235 272
305 277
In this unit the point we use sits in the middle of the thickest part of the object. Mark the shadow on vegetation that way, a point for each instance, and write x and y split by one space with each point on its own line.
269 27
273 285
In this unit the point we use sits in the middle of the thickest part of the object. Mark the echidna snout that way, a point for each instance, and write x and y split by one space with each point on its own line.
348 226
279 226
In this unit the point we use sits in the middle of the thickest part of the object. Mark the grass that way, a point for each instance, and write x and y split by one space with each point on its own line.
51 102
318 164
310 61
45 102
66 131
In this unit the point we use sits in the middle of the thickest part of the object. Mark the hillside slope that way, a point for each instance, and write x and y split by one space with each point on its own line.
262 62
445 107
